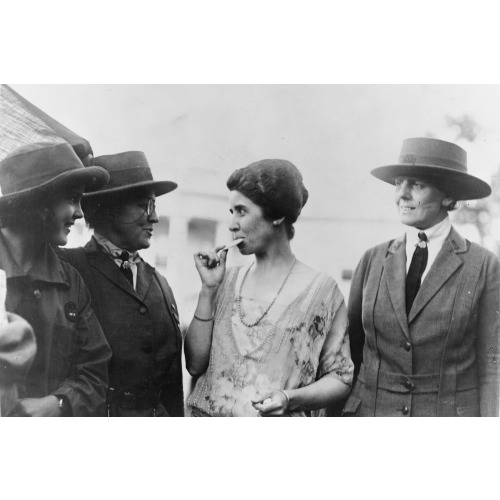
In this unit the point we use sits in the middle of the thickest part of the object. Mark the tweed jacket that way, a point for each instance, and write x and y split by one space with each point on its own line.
441 359
141 326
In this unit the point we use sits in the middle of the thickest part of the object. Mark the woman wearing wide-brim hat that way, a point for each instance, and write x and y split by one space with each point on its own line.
424 307
42 185
132 300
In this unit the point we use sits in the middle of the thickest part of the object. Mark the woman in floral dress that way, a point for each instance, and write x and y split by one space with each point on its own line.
269 339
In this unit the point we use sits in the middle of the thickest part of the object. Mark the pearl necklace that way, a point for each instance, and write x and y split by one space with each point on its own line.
238 297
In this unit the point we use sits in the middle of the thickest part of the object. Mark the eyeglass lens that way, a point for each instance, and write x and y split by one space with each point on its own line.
151 207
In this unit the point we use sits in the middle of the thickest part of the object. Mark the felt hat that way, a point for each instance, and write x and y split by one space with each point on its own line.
443 163
129 170
32 168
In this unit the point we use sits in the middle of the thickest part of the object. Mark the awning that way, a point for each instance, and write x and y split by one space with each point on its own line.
23 123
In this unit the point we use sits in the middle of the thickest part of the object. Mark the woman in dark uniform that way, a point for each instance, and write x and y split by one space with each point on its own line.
42 185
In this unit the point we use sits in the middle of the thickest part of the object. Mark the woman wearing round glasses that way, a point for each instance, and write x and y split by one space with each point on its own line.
267 339
133 302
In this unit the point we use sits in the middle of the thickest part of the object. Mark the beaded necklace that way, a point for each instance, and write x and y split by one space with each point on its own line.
238 297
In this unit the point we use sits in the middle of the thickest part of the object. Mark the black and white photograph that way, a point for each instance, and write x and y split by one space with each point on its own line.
227 248
264 246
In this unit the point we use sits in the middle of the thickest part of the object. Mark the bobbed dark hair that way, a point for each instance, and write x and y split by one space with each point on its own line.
27 211
276 186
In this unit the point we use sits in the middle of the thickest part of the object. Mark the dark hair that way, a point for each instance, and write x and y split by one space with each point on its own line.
276 186
26 210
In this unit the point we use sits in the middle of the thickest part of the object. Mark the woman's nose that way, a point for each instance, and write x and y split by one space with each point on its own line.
78 214
153 217
404 190
233 227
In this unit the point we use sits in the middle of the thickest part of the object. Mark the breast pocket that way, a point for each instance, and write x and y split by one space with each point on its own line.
63 351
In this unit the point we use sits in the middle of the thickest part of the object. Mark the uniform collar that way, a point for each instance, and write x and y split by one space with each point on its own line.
435 234
47 266
112 250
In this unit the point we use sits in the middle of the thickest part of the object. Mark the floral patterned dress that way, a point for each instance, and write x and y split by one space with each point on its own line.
307 341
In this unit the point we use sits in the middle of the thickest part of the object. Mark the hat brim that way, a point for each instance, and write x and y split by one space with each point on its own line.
91 177
457 185
159 188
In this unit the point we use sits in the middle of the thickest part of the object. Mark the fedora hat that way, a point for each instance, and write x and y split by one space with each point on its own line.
30 169
129 170
443 163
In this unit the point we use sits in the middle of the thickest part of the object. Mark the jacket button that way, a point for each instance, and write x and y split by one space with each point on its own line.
143 309
408 384
405 410
407 346
37 294
148 348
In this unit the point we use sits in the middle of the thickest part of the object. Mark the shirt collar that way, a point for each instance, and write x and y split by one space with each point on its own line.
435 234
47 266
113 251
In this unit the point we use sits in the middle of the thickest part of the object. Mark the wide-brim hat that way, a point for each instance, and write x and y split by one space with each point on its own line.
442 162
127 171
32 168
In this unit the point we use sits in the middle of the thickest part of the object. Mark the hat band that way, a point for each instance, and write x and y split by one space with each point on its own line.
128 177
432 161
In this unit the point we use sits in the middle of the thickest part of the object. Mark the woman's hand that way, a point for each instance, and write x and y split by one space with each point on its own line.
274 404
37 407
211 267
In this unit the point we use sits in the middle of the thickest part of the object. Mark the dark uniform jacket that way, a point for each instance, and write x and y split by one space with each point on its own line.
72 353
142 328
441 360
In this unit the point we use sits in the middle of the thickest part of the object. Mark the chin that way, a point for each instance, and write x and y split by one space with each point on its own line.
60 242
142 245
245 251
408 221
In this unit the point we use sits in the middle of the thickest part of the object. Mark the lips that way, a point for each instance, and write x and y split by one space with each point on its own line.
406 209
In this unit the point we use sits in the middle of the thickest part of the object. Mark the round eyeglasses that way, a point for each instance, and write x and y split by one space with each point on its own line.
149 207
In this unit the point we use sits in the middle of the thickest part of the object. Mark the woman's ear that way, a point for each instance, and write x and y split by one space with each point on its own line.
278 222
448 202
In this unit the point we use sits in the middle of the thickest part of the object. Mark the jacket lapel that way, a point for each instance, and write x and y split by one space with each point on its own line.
446 264
395 275
145 275
105 265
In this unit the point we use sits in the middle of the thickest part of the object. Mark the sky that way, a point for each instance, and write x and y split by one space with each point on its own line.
197 135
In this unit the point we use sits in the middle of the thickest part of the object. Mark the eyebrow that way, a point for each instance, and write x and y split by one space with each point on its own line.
238 207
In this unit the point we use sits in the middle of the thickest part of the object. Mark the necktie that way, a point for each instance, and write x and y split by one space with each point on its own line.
125 267
417 268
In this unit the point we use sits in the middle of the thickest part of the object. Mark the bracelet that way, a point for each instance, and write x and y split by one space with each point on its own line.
286 396
203 319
